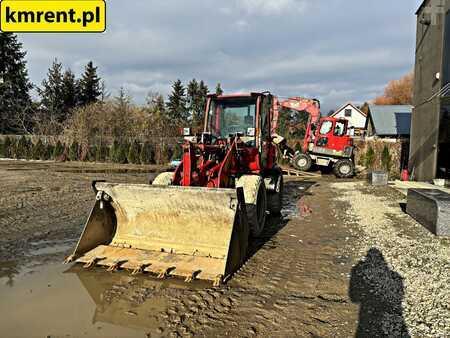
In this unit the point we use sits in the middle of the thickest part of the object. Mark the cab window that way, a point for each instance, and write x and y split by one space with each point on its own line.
339 129
326 127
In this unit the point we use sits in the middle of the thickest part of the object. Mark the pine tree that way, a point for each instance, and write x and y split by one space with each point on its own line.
196 93
14 84
38 151
370 158
7 147
133 153
58 150
48 154
69 92
113 151
219 90
122 153
73 151
147 155
101 153
22 150
51 93
386 159
176 106
90 85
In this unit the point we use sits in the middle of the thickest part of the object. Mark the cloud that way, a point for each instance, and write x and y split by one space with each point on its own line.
334 51
271 7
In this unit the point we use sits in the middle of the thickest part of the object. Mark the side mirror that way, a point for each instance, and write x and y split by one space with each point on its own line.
251 132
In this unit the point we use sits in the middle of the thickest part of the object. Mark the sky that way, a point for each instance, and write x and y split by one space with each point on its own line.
333 50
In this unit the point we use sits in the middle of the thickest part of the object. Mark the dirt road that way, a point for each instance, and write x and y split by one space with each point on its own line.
301 279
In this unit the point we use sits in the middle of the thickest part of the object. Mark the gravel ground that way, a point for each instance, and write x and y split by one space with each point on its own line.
405 267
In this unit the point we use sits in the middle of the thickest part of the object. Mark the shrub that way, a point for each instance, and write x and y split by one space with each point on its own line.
2 149
58 150
73 151
7 148
101 153
122 152
113 150
370 158
147 154
386 159
177 152
38 152
22 148
49 152
92 152
133 152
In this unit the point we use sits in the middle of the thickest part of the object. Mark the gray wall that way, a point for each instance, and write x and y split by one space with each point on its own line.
426 114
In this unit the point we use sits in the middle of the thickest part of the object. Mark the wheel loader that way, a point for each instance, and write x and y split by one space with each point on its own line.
194 222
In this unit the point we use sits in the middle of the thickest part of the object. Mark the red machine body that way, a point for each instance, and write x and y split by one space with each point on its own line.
326 139
236 140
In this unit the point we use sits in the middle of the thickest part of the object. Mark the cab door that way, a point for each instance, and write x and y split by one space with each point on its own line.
339 138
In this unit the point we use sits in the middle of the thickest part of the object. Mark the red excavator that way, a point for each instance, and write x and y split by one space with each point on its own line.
326 141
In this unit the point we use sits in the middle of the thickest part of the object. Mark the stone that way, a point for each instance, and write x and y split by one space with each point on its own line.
431 208
378 178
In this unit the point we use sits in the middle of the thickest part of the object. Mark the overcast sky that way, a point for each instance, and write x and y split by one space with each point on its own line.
335 50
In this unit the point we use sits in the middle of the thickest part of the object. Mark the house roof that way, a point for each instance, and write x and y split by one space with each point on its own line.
346 105
391 120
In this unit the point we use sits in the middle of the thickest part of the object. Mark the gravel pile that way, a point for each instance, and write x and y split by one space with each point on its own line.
420 259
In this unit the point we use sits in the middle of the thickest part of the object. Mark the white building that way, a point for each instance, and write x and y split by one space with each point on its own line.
355 117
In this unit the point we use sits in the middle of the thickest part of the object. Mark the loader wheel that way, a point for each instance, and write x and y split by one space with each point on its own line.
344 168
275 199
163 179
255 202
302 162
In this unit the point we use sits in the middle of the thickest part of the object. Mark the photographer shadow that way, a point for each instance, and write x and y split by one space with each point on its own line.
379 291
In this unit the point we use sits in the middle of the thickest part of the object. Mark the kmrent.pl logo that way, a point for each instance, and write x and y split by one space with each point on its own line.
52 15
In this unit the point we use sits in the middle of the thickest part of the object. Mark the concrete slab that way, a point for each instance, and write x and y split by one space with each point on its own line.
403 187
431 208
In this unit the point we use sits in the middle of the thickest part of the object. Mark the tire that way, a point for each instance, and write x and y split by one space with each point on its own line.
163 179
275 199
302 162
344 168
255 202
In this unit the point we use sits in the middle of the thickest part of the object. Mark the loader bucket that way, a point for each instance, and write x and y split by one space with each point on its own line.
192 232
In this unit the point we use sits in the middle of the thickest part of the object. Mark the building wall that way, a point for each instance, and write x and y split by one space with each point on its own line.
426 114
357 120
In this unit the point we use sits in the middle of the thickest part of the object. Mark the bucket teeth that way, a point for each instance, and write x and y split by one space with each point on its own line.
192 276
166 272
92 262
69 259
140 269
116 265
218 280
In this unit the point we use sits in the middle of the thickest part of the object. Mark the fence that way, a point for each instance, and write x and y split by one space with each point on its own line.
398 151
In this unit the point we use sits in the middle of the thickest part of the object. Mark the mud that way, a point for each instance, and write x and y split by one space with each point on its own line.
295 282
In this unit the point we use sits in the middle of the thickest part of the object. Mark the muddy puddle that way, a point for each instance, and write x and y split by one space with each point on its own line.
106 171
58 300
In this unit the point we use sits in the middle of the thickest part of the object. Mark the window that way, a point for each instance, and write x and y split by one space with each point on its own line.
348 113
326 127
339 129
228 117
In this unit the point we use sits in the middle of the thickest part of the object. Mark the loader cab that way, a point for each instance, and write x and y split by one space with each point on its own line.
247 116
231 116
